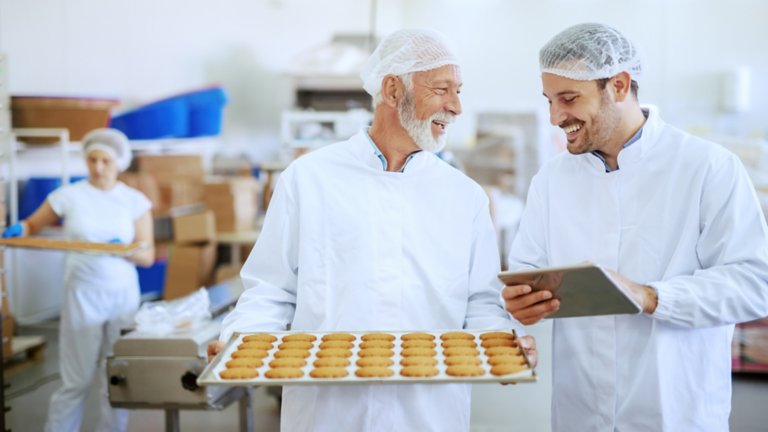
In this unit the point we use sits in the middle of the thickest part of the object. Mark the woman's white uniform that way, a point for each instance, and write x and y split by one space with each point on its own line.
101 293
349 246
681 215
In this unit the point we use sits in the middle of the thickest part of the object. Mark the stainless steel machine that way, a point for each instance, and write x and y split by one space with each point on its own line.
147 371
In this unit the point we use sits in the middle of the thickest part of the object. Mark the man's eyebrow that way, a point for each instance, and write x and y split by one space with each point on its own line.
562 93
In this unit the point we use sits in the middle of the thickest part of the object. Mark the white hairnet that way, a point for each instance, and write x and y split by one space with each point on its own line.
406 51
588 52
109 139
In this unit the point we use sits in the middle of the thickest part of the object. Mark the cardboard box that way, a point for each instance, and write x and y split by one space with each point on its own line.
171 168
197 227
234 202
178 193
753 349
189 268
226 272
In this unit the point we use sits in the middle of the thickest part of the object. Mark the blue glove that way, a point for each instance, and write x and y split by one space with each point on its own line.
115 241
15 230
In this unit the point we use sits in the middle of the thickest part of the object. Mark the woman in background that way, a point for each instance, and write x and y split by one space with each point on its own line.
101 292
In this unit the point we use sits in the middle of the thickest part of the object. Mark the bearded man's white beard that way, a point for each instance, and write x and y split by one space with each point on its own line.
421 130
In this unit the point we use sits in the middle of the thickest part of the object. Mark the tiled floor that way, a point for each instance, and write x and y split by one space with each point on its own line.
495 408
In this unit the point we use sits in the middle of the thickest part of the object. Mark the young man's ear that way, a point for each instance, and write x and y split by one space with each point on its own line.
391 90
620 84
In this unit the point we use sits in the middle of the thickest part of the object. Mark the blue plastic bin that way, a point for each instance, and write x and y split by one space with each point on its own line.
152 279
163 119
36 191
205 111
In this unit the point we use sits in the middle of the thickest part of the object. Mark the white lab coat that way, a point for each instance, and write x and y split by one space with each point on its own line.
348 246
679 214
101 294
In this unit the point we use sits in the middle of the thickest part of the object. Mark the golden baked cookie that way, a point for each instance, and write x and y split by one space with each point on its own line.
245 362
338 337
292 353
506 359
497 335
507 368
374 362
287 362
331 362
336 344
378 336
418 343
418 371
304 345
458 343
461 351
502 350
417 336
490 343
263 337
328 372
284 373
418 352
464 370
239 373
377 344
334 352
257 353
262 345
376 352
418 361
456 335
299 337
374 372
463 360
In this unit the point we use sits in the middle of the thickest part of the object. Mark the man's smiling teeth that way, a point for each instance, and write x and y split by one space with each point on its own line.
572 128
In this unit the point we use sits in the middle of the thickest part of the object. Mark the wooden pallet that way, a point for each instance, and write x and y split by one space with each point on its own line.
25 350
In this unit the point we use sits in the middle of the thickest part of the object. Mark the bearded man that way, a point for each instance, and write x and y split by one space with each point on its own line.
378 233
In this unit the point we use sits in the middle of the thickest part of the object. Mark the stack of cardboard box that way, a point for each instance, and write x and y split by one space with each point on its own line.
234 201
192 255
178 180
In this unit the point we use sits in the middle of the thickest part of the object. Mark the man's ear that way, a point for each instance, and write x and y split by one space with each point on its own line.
620 84
391 90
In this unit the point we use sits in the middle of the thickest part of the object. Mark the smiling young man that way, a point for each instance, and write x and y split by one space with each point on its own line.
677 221
378 233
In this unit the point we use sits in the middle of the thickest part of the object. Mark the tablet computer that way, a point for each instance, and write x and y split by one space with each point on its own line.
583 289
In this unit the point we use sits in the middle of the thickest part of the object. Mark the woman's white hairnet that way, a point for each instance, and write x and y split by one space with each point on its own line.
112 141
406 51
590 51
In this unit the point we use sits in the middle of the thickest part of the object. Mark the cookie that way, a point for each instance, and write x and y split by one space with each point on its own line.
463 360
239 373
331 362
376 352
377 344
374 361
304 345
334 352
418 361
374 372
502 350
262 345
507 368
506 359
418 371
456 335
338 337
263 337
418 343
378 336
461 351
328 372
292 353
464 370
336 344
418 352
417 336
497 335
299 337
490 343
284 373
245 362
287 362
458 343
251 353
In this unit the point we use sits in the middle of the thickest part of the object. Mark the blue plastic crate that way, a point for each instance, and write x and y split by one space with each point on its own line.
205 111
163 119
152 279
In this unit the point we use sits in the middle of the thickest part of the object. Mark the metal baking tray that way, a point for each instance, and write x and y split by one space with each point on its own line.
210 375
